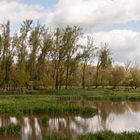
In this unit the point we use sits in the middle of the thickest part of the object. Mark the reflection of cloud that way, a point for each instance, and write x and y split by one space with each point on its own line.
27 130
114 116
91 124
13 120
128 121
124 122
75 128
37 129
55 124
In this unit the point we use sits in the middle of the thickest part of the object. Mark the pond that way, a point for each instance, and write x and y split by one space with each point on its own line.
114 116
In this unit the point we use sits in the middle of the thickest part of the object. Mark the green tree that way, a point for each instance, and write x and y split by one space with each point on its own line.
58 54
135 74
20 41
70 42
117 76
7 54
87 57
44 56
35 40
104 62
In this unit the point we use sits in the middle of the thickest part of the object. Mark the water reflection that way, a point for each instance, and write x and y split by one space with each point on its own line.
13 120
115 116
37 129
26 129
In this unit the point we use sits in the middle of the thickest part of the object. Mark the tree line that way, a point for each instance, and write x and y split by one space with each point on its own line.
35 57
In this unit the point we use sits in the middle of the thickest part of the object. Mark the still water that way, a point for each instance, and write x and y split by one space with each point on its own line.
114 116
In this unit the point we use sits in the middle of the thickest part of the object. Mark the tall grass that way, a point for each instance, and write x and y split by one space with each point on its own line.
55 136
10 129
110 136
19 105
44 120
52 102
106 135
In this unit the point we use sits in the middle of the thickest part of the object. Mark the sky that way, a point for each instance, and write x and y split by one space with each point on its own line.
115 22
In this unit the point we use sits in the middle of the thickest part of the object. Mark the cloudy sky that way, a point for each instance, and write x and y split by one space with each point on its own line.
116 22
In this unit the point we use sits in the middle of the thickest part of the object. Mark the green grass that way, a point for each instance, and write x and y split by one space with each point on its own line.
99 94
32 104
55 136
10 129
45 120
106 135
110 136
51 101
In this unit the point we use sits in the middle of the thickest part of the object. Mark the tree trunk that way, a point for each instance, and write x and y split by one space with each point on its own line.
83 76
67 77
97 75
56 79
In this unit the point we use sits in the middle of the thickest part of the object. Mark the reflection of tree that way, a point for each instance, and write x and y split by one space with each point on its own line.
37 127
104 112
135 106
71 125
83 126
27 129
107 109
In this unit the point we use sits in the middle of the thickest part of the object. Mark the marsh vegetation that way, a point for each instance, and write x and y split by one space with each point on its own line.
50 83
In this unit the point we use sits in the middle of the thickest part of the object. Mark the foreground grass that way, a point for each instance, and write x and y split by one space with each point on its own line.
10 129
107 135
51 101
20 105
110 136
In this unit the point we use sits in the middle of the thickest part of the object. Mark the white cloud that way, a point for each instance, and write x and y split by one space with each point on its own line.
124 44
16 11
9 0
89 14
94 13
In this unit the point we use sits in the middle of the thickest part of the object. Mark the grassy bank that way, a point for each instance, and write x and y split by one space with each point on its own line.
91 94
97 136
10 129
51 101
99 94
25 104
